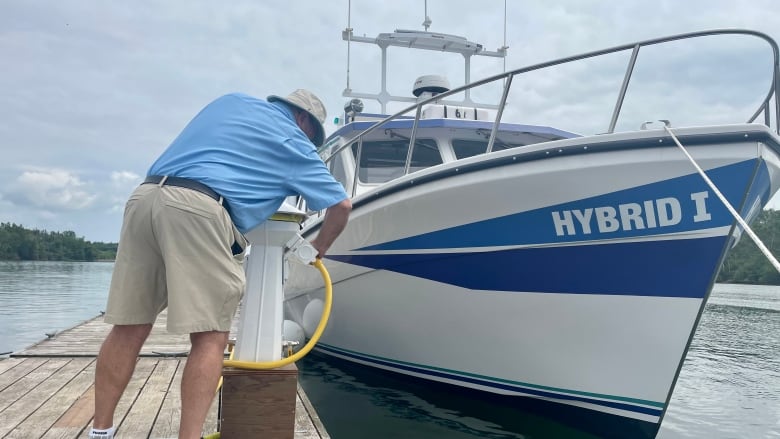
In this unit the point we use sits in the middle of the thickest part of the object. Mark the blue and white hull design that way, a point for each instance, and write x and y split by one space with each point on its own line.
577 279
566 269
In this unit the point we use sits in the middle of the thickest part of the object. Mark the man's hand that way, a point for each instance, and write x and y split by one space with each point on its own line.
336 218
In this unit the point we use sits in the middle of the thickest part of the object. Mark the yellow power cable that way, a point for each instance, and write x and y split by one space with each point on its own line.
262 365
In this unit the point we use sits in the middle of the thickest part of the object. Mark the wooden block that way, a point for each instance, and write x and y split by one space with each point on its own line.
259 403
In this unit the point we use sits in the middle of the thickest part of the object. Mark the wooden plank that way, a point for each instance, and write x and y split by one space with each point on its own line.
303 426
143 369
28 379
310 417
168 418
167 422
37 424
140 418
14 374
85 340
77 417
29 393
83 334
143 413
68 411
8 363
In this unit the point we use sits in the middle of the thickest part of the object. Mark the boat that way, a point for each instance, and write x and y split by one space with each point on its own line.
527 262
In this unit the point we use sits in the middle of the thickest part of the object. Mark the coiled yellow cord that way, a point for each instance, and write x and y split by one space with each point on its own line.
252 365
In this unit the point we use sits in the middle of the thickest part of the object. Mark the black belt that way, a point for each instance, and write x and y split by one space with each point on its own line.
196 186
185 183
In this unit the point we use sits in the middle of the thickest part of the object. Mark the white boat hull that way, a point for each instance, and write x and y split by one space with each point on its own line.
577 279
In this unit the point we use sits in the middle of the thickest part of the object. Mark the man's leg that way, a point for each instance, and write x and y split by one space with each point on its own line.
199 381
115 366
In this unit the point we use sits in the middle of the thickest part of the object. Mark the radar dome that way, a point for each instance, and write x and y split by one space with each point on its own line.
433 84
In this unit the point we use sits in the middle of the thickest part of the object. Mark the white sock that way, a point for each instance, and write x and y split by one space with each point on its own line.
102 434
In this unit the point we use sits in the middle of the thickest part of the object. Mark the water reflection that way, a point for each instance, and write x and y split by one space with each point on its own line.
39 297
353 401
730 383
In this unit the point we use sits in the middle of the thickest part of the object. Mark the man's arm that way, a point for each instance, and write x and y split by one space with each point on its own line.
335 220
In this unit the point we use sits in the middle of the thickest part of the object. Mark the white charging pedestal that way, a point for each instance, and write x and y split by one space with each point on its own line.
261 403
259 336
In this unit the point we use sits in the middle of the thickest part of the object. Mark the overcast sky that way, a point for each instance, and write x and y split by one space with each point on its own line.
93 91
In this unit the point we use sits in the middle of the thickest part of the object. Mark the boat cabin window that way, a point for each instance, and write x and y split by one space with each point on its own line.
339 171
384 160
468 148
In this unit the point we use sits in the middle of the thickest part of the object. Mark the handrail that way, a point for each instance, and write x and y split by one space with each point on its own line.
499 113
623 89
763 107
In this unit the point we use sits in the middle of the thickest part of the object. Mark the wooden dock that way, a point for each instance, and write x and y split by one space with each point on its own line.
47 390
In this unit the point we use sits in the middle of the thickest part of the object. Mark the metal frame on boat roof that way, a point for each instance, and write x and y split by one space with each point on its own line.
764 107
425 41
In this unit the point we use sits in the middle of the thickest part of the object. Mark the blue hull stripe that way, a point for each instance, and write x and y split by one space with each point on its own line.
538 226
670 268
488 383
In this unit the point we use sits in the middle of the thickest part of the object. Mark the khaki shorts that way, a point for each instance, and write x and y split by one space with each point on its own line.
175 251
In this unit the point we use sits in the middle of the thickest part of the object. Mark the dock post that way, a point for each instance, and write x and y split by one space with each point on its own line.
259 403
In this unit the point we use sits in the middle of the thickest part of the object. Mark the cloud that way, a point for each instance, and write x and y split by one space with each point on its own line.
49 190
123 178
122 183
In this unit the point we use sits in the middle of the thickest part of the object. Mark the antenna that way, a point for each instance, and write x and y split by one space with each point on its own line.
504 47
427 22
348 33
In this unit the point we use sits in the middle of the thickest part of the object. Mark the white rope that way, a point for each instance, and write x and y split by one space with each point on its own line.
734 213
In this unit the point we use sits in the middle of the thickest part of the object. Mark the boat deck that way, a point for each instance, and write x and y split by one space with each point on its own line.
47 390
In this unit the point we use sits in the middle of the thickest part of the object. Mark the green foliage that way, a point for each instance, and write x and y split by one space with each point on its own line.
20 244
745 263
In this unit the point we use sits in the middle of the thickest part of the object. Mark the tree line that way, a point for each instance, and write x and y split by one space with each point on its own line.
744 264
20 244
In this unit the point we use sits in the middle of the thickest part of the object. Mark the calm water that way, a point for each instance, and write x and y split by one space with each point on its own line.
37 298
729 386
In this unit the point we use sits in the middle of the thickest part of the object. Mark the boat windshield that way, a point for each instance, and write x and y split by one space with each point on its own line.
467 148
384 160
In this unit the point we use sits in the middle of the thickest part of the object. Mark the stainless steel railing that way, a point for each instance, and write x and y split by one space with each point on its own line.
764 107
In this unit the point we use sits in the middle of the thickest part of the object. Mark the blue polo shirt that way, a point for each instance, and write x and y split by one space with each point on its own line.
252 153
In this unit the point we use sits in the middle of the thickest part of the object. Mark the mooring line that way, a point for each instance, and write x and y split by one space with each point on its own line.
731 209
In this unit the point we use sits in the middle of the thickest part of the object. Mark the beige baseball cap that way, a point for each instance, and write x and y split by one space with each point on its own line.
308 102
